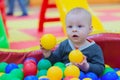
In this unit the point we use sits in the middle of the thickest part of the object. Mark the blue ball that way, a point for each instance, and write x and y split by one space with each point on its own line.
82 75
91 75
43 79
110 76
10 67
30 78
116 69
118 78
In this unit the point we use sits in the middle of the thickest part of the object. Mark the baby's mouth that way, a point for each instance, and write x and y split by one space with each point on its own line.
75 36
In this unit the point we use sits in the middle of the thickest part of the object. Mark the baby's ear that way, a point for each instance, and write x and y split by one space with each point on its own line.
90 28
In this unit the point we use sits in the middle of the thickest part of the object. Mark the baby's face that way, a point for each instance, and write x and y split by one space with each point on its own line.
78 27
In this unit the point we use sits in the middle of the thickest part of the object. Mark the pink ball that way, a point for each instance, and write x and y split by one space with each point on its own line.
68 77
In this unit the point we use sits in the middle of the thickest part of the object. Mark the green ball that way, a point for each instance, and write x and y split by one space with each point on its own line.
44 64
63 69
3 66
17 73
20 66
15 79
60 64
7 77
3 77
108 69
41 73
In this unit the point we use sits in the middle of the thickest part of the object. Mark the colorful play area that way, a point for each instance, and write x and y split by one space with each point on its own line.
20 54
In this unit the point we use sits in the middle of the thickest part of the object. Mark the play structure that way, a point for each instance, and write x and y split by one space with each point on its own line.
3 14
109 42
3 37
64 6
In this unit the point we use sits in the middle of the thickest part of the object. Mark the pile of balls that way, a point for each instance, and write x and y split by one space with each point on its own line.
43 70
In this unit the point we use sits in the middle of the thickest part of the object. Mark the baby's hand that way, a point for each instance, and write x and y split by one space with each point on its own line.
84 66
45 52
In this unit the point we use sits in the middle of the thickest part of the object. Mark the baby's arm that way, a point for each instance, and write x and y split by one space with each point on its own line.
84 65
46 53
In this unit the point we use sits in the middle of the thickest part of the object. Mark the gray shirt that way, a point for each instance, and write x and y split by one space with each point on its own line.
92 51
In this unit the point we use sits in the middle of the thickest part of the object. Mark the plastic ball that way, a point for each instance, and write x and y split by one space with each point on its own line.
107 66
30 78
2 66
68 77
17 73
44 64
29 69
76 56
54 73
10 67
20 66
91 75
7 77
72 70
43 78
116 69
87 79
60 64
110 76
82 75
32 59
118 73
75 79
108 69
1 73
48 41
41 73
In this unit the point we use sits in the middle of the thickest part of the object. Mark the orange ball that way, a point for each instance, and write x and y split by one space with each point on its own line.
76 56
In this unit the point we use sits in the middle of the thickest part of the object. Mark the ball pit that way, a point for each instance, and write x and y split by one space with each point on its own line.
54 72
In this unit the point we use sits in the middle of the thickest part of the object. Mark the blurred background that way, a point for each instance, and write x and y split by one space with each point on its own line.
23 31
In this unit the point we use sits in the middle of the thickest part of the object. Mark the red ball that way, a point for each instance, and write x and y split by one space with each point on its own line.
29 61
29 69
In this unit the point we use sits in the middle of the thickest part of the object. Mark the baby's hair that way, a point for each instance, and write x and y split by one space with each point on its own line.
80 11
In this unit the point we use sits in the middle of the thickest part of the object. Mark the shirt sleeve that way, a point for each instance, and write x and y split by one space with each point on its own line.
96 62
56 55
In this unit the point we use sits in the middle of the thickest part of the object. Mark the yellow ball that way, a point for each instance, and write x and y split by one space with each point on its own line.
43 77
118 73
48 41
72 70
75 79
87 79
76 56
54 73
1 73
107 66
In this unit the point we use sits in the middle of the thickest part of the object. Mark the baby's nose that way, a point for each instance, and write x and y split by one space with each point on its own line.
74 29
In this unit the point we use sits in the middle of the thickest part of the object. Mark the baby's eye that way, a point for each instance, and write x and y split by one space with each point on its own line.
79 26
69 26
